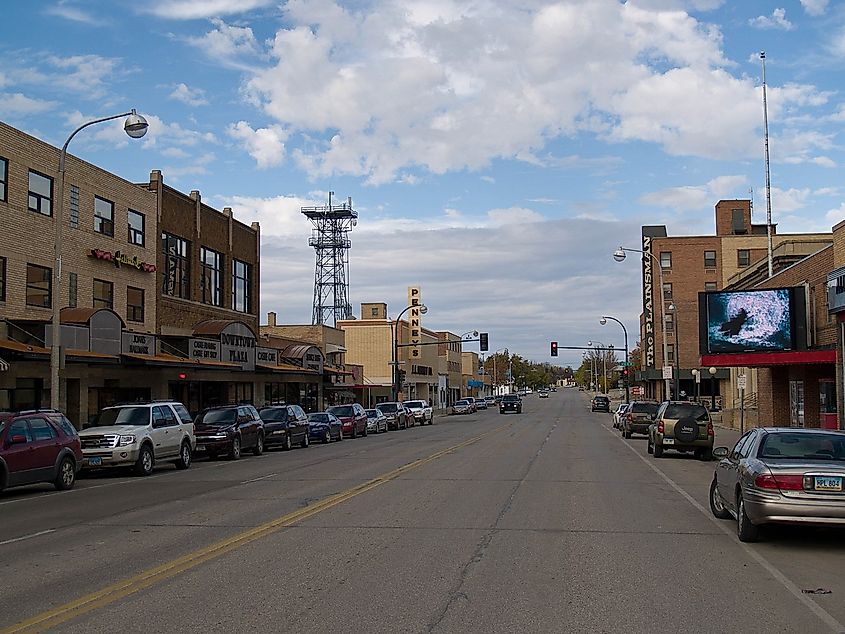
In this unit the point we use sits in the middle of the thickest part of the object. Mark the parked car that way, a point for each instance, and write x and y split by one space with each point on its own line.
617 415
396 415
638 418
376 421
682 426
510 403
421 411
139 435
229 430
462 406
543 394
600 403
285 426
480 403
491 401
325 426
353 417
780 475
38 446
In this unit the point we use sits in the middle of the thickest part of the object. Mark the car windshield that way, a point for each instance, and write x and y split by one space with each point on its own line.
123 416
510 397
682 410
372 413
462 402
220 417
644 408
342 410
387 407
804 446
415 404
274 414
318 417
601 399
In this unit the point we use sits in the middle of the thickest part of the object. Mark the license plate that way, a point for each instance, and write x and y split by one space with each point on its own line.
668 441
824 483
95 462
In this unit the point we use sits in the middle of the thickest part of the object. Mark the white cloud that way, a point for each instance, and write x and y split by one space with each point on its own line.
17 104
265 145
232 46
775 21
189 96
835 216
199 9
815 7
693 197
68 11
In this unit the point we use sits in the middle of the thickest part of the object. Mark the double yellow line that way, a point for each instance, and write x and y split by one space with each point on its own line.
117 591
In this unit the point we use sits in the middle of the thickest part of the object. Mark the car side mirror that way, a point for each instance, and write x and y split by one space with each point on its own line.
17 440
720 452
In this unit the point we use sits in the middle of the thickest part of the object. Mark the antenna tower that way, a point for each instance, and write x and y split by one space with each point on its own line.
330 239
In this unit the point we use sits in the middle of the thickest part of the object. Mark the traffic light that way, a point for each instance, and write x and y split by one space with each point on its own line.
625 376
483 343
554 348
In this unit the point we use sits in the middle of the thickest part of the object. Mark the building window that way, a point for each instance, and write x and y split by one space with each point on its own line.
103 294
666 259
709 259
40 193
4 178
374 312
2 279
211 283
177 266
134 304
670 352
743 257
73 215
241 283
103 216
709 286
670 323
667 292
39 286
72 282
136 228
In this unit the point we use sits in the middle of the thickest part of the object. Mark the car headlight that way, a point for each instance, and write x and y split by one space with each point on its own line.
122 441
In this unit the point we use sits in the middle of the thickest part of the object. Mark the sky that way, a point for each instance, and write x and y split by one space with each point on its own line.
497 152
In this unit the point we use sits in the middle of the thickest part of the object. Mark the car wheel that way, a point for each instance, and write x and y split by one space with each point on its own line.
364 434
658 450
626 434
235 449
650 447
259 446
354 431
146 461
745 530
287 444
66 476
185 456
717 507
340 434
327 438
306 441
706 454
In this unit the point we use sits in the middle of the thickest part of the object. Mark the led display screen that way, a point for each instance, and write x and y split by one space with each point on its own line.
750 321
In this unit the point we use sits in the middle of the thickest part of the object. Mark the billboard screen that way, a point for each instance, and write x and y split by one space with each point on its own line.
752 321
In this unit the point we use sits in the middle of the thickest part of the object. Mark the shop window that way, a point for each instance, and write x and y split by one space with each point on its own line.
72 282
39 286
103 294
670 352
743 257
103 216
710 286
136 228
709 259
4 178
667 292
241 286
211 282
666 259
670 323
40 193
134 304
2 279
177 266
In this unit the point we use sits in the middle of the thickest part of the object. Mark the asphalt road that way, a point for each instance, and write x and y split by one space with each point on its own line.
542 522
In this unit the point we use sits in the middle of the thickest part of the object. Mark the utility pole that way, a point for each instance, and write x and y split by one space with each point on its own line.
768 177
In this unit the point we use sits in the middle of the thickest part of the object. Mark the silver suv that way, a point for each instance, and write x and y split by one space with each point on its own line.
139 435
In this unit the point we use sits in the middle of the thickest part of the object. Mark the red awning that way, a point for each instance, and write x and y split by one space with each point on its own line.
765 359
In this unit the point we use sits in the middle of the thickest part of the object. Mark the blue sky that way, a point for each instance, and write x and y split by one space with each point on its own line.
497 152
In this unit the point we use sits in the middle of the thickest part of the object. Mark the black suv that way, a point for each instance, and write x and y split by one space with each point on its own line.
600 403
510 403
229 429
284 425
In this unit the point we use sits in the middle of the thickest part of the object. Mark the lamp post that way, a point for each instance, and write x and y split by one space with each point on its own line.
712 371
619 255
696 375
135 126
603 322
423 310
677 372
603 365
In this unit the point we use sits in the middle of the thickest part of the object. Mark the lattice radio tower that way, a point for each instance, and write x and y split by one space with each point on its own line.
330 239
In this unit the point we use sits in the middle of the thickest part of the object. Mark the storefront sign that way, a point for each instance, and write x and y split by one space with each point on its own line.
205 349
267 356
313 360
648 302
118 258
237 345
414 322
134 343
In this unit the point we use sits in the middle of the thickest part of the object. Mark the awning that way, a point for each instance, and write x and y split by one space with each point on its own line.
168 360
285 368
331 369
766 359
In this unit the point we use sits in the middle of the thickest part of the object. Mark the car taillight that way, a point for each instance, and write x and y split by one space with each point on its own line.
660 427
782 482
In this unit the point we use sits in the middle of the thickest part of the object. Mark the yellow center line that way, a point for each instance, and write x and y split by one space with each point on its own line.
122 589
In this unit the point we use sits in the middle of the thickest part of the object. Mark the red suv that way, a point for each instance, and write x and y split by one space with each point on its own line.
38 446
353 418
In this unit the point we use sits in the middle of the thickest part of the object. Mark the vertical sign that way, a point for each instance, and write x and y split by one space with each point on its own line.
414 322
648 302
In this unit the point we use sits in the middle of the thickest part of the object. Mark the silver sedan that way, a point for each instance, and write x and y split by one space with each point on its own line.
778 475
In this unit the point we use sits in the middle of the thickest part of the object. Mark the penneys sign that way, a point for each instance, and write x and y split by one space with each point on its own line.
414 322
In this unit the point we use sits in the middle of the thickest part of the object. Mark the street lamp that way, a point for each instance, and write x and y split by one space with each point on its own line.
677 374
603 322
619 255
135 126
423 310
712 371
696 375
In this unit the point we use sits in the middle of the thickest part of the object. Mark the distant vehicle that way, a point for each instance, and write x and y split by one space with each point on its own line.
638 418
376 421
480 403
353 417
543 394
396 415
462 406
510 403
38 446
229 429
682 426
421 411
285 426
324 426
491 400
780 475
600 403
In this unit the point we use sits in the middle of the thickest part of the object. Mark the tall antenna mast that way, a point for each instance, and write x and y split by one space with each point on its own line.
768 177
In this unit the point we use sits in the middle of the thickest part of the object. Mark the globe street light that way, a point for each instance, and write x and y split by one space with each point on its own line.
619 255
712 371
626 374
423 310
677 373
135 126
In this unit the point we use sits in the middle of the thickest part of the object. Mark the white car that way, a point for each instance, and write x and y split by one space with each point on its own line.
423 414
